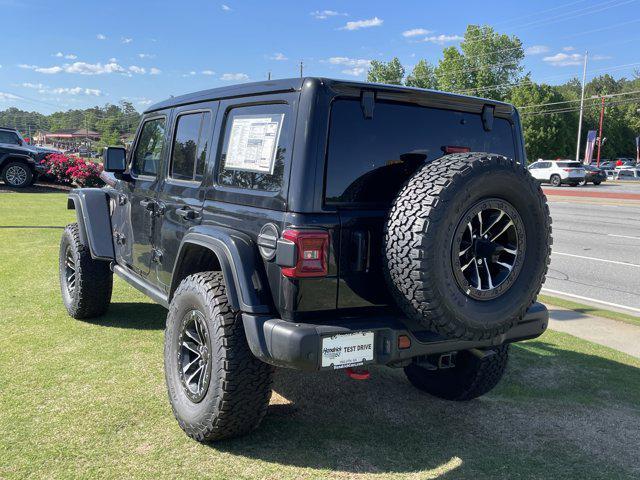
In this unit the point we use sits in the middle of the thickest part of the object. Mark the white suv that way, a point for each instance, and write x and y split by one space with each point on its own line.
557 172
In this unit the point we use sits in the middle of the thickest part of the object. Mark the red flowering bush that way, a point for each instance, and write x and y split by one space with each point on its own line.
71 169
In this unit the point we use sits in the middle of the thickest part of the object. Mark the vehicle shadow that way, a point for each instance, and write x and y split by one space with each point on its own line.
135 315
37 188
326 421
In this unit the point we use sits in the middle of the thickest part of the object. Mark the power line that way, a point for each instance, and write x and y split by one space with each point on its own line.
574 109
573 101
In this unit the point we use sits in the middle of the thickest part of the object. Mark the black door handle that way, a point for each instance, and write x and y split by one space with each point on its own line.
187 213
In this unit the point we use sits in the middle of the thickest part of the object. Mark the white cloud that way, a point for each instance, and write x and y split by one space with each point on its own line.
127 40
324 14
536 50
355 71
349 62
113 60
100 36
358 24
68 56
84 68
146 55
208 72
280 57
154 71
36 86
564 59
442 39
137 70
234 77
226 8
8 96
75 91
145 102
568 49
415 32
48 70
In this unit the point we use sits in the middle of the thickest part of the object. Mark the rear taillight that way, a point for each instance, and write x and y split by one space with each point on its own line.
455 149
312 248
567 169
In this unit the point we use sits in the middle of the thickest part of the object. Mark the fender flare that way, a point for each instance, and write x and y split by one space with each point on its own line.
247 288
17 156
92 211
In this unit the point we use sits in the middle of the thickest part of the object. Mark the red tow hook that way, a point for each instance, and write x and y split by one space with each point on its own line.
357 374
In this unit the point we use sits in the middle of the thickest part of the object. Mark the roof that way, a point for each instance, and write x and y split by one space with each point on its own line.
9 128
296 84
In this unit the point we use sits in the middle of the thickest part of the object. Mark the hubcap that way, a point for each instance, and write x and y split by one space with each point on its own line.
70 270
488 249
16 175
194 358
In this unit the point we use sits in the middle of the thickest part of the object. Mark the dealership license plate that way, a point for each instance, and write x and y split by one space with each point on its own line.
347 350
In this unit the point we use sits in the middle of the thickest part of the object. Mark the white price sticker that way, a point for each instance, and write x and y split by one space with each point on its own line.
253 142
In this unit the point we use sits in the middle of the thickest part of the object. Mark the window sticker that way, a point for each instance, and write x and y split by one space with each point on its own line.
253 142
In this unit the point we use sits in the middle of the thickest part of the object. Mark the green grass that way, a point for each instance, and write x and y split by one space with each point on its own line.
589 310
87 399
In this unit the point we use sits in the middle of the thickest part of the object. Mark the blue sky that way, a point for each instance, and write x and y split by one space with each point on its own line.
74 54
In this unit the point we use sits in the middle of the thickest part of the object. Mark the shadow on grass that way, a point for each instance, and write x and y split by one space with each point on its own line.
139 316
540 419
37 188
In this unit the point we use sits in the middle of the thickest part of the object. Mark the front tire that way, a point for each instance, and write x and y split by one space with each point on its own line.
597 182
85 283
556 181
17 175
471 377
217 388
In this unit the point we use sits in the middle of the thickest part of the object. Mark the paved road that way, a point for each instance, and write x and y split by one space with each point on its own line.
596 251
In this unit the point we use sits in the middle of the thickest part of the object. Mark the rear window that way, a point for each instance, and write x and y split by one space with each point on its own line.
569 164
368 160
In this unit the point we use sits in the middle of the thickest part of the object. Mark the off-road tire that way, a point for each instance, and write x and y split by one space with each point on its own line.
91 294
239 386
555 180
597 182
419 232
7 178
470 378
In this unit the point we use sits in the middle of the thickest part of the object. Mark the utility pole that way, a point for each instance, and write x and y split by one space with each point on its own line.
584 77
600 134
269 75
301 68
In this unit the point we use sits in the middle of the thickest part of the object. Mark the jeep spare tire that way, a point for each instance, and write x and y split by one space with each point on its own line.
467 244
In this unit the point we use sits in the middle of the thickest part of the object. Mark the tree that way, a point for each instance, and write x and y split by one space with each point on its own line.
546 135
423 75
485 65
391 72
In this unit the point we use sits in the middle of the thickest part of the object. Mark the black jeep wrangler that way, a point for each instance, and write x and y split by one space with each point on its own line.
19 162
317 224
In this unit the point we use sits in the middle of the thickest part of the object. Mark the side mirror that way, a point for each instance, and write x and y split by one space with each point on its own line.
114 159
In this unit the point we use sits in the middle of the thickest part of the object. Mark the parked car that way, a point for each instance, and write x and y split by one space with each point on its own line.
558 172
628 173
19 162
313 184
593 175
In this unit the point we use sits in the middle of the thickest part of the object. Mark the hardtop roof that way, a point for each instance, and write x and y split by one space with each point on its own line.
296 84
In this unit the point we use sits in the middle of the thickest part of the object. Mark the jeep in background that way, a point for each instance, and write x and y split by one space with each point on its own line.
317 224
19 162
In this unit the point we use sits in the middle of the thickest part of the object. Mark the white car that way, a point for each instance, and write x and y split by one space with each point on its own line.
557 172
628 173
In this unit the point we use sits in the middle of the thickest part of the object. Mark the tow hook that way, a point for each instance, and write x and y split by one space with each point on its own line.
358 374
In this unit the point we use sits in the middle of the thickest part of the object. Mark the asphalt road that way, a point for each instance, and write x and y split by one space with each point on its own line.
596 252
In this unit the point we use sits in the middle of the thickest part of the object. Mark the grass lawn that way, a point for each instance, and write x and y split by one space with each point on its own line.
589 310
87 399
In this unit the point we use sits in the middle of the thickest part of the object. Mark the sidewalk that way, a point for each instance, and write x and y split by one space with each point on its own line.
620 336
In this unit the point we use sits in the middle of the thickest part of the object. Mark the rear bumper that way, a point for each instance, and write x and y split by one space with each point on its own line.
299 345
